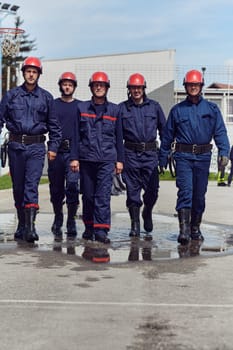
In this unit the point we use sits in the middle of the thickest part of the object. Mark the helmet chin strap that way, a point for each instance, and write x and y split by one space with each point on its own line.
199 94
130 96
65 94
194 99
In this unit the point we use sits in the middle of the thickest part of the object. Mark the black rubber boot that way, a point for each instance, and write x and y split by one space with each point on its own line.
134 213
71 220
19 233
147 217
196 234
88 234
102 236
57 223
30 234
184 221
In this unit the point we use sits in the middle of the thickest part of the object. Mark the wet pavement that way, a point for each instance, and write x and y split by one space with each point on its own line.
160 245
129 295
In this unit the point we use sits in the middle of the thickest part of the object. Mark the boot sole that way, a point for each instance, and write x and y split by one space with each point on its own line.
148 229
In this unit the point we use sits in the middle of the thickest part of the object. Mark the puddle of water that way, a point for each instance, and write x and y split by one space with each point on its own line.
218 240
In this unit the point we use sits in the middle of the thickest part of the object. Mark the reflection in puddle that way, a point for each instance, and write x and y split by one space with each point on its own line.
191 249
163 246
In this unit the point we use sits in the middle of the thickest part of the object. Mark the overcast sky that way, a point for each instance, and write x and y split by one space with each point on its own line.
199 30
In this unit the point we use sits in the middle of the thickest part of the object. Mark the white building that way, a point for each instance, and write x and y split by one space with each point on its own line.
158 67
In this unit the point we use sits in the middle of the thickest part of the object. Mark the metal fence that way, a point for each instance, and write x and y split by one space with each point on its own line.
220 74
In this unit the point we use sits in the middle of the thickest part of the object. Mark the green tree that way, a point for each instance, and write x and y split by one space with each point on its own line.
10 64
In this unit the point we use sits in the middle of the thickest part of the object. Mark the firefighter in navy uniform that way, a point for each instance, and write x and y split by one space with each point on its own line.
64 183
28 113
142 120
190 127
99 153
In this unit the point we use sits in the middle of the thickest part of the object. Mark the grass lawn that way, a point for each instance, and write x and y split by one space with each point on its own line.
167 176
5 180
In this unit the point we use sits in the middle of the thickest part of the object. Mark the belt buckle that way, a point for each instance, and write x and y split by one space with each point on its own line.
142 146
66 144
23 138
194 148
173 146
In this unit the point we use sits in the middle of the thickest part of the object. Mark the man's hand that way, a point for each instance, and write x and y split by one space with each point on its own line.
119 167
51 155
161 170
223 161
74 165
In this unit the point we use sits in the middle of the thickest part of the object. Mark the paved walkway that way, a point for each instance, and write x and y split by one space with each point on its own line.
54 299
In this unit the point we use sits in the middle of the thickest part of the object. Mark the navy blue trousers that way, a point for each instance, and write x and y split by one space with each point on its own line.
95 185
192 182
64 183
141 175
26 166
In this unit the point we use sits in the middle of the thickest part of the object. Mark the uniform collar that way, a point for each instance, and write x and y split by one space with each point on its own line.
34 92
191 103
93 105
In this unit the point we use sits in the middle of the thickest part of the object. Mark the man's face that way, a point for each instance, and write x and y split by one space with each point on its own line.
99 89
31 75
136 92
193 89
67 87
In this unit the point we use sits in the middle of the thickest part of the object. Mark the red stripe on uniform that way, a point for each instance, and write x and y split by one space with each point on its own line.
109 117
32 205
88 222
101 226
88 115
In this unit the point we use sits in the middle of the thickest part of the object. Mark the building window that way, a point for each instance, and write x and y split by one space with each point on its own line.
229 118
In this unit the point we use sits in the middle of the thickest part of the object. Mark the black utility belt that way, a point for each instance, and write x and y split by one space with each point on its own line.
64 146
142 146
27 139
196 149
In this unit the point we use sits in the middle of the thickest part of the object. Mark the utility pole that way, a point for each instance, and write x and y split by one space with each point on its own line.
6 9
203 69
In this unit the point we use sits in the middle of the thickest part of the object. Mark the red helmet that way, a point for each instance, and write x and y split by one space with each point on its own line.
193 76
99 77
68 76
136 80
32 62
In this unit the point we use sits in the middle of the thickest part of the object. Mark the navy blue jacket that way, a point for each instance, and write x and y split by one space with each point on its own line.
194 124
30 113
98 135
142 122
